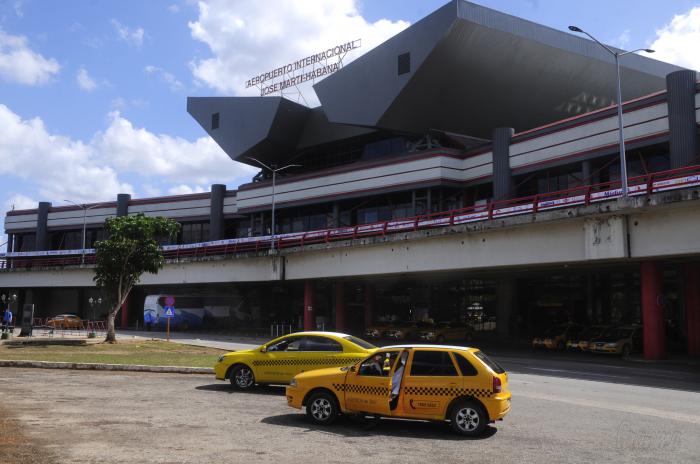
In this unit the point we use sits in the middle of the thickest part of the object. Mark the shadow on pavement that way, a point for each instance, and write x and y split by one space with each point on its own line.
272 390
348 426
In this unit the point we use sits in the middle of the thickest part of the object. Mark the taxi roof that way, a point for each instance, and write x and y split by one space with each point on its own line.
318 332
449 347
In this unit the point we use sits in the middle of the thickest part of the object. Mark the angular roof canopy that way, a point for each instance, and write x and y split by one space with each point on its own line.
471 69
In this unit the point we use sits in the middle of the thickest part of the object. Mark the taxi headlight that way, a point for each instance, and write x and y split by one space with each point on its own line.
293 383
221 358
611 345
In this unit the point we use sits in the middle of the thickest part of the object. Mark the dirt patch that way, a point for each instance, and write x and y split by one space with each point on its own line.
15 446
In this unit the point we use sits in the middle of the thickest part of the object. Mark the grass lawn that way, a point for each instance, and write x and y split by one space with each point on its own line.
148 352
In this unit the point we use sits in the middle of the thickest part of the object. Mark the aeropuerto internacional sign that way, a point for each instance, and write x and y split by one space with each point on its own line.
290 70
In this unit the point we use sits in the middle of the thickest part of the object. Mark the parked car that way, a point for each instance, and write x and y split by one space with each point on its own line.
375 331
621 340
279 360
65 321
446 331
581 342
424 382
406 330
556 337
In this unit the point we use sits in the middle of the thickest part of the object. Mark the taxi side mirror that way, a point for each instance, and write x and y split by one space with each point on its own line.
352 369
263 349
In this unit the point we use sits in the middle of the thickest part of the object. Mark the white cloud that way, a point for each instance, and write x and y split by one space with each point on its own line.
623 40
20 64
19 201
186 189
84 80
131 149
131 36
679 41
173 84
174 8
248 37
56 167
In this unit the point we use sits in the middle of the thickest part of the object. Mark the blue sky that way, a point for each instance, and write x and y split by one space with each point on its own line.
93 93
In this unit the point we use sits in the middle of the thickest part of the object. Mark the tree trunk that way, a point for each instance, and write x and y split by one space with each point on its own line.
111 337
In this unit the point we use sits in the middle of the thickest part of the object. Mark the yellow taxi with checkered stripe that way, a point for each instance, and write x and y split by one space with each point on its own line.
279 360
428 382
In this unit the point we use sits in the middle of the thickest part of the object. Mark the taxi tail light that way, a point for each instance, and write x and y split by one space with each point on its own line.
496 385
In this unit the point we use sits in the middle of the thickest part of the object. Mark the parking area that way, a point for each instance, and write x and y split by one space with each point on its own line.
111 417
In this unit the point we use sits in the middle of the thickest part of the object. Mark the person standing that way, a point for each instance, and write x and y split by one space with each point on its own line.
6 320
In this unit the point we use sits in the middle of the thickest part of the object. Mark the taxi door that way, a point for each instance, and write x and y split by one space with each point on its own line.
430 384
367 387
280 362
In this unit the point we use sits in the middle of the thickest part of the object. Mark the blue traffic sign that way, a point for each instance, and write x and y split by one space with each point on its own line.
169 311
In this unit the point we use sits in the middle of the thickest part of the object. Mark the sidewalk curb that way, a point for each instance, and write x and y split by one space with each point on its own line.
106 367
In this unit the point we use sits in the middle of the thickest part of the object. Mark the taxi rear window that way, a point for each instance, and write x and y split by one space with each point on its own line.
493 365
359 342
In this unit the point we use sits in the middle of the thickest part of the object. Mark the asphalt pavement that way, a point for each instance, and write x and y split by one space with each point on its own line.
109 417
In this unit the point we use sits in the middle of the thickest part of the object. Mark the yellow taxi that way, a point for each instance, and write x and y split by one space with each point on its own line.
279 360
425 382
622 340
445 332
556 337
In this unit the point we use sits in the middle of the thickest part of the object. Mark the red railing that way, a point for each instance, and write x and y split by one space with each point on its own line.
583 195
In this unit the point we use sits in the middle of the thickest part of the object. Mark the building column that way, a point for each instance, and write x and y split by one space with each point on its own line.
502 179
691 274
216 212
683 138
123 204
42 233
340 317
652 312
125 313
586 173
309 320
505 291
369 304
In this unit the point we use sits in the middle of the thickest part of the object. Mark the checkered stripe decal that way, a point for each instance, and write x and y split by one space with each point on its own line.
306 362
361 389
447 391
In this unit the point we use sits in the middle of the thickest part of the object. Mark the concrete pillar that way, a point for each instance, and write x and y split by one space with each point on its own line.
652 312
505 298
683 139
335 215
586 172
10 243
340 316
123 204
691 275
369 304
216 212
502 179
125 313
42 233
309 320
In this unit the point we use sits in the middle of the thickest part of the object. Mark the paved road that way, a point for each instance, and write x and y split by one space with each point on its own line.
107 417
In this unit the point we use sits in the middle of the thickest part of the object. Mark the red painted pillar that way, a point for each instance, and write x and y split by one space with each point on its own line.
369 305
125 313
652 312
309 322
691 274
340 321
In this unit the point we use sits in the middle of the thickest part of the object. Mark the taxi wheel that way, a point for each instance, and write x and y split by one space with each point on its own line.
242 377
322 408
468 418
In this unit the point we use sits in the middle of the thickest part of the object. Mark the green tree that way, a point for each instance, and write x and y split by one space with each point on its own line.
130 250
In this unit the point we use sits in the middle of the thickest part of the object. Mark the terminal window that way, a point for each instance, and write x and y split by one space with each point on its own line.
214 121
404 63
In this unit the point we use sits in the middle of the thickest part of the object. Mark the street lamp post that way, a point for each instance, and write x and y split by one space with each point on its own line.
617 55
274 170
93 302
85 209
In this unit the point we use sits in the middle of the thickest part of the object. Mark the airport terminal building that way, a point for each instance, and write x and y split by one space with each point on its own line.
467 169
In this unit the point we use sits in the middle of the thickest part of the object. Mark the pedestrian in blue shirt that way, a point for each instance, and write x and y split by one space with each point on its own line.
6 320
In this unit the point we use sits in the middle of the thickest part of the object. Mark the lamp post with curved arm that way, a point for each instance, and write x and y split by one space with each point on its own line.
274 170
617 55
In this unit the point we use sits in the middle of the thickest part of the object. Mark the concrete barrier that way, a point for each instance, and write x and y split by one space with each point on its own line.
106 367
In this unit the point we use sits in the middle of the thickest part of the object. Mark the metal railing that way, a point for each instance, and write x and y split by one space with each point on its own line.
584 195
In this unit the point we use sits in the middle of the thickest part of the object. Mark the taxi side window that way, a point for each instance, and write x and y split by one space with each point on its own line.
288 344
432 363
464 365
320 344
378 365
